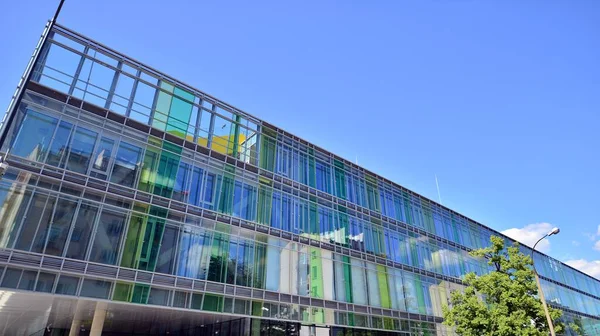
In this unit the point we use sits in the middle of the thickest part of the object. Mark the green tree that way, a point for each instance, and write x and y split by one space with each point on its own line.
502 302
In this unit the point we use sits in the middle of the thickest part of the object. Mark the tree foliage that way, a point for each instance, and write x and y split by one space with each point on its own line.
502 302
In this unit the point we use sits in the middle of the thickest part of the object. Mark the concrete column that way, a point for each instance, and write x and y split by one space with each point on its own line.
76 323
98 321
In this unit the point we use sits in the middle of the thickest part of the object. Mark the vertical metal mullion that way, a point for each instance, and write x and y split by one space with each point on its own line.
211 127
94 230
121 247
113 85
154 102
138 74
38 222
78 71
198 119
72 227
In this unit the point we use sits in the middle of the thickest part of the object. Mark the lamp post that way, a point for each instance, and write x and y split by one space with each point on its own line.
537 280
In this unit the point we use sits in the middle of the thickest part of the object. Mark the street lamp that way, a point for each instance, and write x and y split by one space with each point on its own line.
537 280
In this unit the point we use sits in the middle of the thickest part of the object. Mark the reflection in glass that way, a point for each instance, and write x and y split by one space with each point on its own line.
82 231
107 237
126 164
34 136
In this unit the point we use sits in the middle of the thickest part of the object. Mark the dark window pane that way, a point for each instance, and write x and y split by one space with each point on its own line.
11 278
45 282
159 297
30 222
27 280
63 216
95 288
166 255
67 285
82 231
34 136
107 238
181 299
15 204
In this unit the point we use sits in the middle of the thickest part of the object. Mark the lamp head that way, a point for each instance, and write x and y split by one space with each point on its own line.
553 232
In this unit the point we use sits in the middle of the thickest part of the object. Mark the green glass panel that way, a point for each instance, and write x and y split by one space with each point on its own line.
227 187
384 292
196 301
135 236
260 269
212 303
316 273
348 278
265 195
140 294
340 179
372 193
388 323
150 165
318 315
313 220
257 308
217 267
267 149
123 292
166 172
153 233
420 295
351 319
180 113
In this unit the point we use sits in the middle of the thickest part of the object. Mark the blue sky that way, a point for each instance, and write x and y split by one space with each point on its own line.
499 99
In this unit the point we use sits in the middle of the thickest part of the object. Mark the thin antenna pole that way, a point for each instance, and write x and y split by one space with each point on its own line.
438 189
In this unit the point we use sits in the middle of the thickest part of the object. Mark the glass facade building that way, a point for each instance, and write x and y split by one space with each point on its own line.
136 192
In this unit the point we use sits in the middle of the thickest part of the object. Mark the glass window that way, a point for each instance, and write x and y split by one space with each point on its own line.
27 280
359 284
193 251
34 136
103 154
95 288
67 285
168 249
61 223
181 189
196 186
99 83
142 103
59 68
127 162
82 231
121 95
181 299
39 209
159 297
107 237
11 278
323 171
81 149
45 282
58 149
16 203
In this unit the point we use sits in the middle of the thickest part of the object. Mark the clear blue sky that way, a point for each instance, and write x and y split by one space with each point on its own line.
500 99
